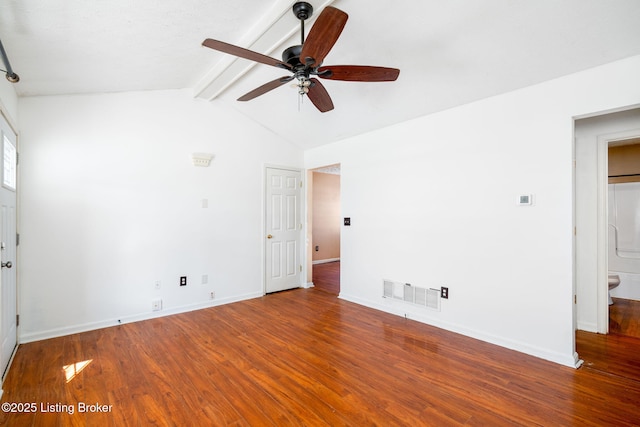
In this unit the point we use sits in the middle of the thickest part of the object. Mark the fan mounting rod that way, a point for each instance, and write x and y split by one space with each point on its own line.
303 11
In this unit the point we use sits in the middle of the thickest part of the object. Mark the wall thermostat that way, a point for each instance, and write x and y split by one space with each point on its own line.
525 199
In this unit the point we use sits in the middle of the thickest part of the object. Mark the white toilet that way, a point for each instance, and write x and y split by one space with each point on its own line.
614 281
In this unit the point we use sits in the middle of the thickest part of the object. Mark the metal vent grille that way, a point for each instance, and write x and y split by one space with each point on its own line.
388 289
425 297
433 299
420 296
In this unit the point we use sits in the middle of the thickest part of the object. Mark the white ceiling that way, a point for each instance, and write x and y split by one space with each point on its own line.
449 52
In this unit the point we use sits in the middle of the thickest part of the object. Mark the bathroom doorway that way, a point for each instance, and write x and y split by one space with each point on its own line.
324 208
623 236
592 254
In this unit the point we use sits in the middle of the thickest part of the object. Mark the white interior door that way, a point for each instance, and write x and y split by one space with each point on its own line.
8 237
283 229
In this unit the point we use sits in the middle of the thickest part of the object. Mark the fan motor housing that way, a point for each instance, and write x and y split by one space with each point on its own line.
291 55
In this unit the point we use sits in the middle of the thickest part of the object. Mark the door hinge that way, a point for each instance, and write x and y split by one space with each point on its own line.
300 184
17 239
575 299
300 268
17 320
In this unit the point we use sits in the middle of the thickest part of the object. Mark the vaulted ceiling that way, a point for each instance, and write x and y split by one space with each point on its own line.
449 52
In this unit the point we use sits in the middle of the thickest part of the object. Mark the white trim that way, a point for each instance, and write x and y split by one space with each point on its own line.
602 234
587 326
5 113
602 262
8 367
570 360
91 326
325 261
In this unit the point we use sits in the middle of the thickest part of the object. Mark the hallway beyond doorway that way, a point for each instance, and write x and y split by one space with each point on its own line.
326 277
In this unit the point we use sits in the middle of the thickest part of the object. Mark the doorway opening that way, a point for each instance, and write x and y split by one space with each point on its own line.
324 210
623 236
607 221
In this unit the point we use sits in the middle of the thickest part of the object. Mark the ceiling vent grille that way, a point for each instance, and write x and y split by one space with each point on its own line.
424 297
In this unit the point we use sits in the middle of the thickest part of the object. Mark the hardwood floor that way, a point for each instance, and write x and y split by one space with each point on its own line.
624 317
613 355
305 357
326 277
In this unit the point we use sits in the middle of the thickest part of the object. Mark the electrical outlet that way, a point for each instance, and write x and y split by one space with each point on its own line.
183 280
156 305
212 295
444 293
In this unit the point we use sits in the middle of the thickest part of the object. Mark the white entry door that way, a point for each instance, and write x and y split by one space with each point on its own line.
283 229
8 237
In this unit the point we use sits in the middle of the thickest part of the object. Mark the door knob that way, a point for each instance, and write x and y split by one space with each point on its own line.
7 264
269 236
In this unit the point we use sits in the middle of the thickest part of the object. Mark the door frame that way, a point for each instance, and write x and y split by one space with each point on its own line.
7 119
302 248
604 142
309 206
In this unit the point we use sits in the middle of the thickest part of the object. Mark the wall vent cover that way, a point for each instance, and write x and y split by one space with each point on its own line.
424 297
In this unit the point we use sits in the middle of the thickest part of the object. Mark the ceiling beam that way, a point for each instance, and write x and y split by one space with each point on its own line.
275 28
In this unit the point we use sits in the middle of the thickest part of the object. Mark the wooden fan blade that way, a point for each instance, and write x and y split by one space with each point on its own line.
244 53
265 88
319 96
323 36
358 73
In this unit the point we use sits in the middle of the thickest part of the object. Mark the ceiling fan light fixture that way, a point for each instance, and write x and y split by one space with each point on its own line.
305 60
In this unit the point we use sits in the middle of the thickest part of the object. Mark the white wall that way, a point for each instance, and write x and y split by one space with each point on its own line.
433 203
111 203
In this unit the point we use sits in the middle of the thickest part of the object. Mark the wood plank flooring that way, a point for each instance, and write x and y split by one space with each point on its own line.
616 355
326 277
624 317
305 357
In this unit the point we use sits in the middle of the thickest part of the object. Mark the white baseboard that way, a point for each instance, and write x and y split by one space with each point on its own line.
325 261
91 326
587 326
570 360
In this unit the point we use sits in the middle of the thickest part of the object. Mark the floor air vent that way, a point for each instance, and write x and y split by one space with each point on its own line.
424 297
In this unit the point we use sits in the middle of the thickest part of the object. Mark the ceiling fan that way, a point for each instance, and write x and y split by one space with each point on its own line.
304 61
